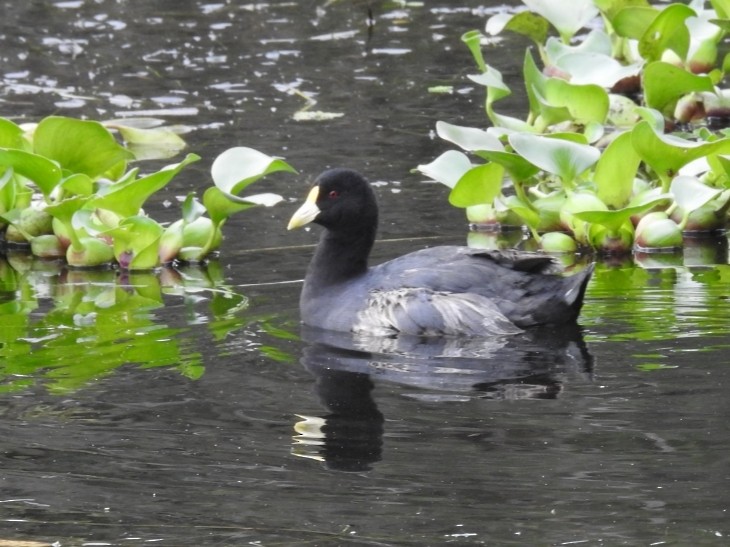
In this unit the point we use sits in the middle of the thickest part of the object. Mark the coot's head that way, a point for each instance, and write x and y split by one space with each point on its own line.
341 200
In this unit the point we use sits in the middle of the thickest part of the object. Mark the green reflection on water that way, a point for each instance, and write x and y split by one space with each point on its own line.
630 303
63 328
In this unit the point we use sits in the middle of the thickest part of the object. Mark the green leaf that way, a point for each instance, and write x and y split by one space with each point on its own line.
653 117
667 154
523 209
496 90
585 103
567 16
667 31
468 138
633 21
588 67
492 80
615 172
220 207
136 243
126 198
597 42
657 231
13 217
92 253
611 7
722 8
558 242
534 83
236 168
11 135
147 144
554 100
623 112
79 146
94 222
192 209
519 168
480 184
526 23
664 83
64 211
690 193
171 241
560 157
79 184
473 40
8 190
43 172
447 169
613 220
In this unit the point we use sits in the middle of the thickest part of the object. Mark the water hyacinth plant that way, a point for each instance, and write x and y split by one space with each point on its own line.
68 192
621 147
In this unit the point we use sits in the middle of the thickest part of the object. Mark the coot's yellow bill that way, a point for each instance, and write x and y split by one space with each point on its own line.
307 212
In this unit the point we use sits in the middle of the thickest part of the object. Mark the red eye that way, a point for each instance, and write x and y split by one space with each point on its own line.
333 194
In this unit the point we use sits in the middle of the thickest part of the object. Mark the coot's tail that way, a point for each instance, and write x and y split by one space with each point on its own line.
576 289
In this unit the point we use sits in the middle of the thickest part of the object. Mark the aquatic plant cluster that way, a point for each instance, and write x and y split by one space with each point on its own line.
623 146
67 191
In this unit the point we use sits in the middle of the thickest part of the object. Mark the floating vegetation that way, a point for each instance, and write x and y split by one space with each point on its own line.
68 191
620 148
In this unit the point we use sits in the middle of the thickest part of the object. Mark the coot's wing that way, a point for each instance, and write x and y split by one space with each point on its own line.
518 286
462 269
521 261
426 312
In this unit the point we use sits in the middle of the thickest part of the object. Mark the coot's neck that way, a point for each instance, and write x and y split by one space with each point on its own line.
340 257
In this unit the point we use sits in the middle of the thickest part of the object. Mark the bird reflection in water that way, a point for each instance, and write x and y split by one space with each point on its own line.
349 437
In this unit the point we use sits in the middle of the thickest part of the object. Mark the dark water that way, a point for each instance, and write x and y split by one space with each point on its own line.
189 409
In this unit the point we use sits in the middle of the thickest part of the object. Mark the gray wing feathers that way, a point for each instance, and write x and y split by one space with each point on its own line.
426 312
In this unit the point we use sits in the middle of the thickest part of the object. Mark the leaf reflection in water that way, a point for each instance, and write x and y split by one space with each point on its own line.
64 328
346 367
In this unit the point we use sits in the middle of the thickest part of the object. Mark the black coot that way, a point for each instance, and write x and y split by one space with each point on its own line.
447 290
